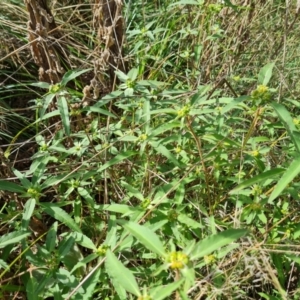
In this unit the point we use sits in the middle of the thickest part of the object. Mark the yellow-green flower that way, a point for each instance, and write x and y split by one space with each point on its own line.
209 259
184 111
255 153
101 251
177 260
261 93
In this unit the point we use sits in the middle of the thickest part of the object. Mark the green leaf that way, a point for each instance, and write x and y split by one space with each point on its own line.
72 74
41 84
51 237
31 287
189 275
90 284
120 208
120 274
234 104
25 182
146 237
220 139
48 115
171 111
151 83
291 172
83 240
129 92
120 157
3 265
39 171
229 4
59 214
146 116
12 238
133 191
165 127
56 179
180 193
122 76
184 295
162 292
185 2
188 222
165 152
265 74
11 187
133 73
112 236
257 179
47 100
288 123
84 261
28 211
85 194
294 258
268 297
110 96
65 247
99 110
215 242
64 113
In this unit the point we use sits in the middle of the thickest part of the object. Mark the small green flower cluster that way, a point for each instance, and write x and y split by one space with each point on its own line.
261 93
177 260
215 8
184 111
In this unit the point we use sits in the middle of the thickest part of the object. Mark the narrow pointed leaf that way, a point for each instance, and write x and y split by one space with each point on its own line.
72 74
165 152
84 240
265 73
51 237
120 157
121 274
90 284
25 182
28 211
10 187
288 123
47 100
257 179
12 238
146 237
60 215
165 291
165 127
64 113
99 110
216 241
291 172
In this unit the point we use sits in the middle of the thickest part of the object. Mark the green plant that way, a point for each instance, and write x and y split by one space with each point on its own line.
175 180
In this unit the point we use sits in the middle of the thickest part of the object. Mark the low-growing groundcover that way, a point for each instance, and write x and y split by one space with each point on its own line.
162 168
